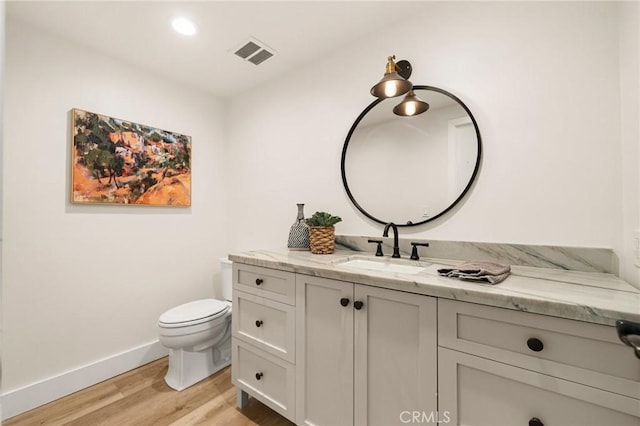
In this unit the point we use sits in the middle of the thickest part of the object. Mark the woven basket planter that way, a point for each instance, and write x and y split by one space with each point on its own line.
322 239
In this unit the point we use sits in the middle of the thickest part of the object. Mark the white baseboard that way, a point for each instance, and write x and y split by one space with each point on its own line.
39 393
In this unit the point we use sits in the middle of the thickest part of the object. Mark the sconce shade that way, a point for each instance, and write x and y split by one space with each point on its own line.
392 84
410 105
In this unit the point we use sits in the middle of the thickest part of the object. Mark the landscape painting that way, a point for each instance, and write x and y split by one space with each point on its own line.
120 162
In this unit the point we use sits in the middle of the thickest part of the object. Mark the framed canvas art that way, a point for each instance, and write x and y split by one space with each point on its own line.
120 162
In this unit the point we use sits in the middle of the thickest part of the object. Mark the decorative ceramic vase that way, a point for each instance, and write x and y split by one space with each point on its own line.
299 233
322 239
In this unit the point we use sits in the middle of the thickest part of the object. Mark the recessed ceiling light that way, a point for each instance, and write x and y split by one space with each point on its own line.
184 26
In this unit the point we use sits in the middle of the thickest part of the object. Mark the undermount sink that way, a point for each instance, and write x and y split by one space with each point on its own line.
382 265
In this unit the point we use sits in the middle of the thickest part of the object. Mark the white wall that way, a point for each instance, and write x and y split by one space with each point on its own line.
629 16
2 26
542 80
82 283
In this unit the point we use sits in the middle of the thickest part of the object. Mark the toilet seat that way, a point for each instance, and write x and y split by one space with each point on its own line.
193 313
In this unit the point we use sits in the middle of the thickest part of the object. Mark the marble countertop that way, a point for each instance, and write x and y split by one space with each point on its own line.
586 296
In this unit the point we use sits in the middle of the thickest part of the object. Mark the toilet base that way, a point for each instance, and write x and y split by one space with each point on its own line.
187 368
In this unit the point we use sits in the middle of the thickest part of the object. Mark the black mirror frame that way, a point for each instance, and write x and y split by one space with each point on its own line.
456 201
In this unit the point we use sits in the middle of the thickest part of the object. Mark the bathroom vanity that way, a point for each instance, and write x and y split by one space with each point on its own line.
324 341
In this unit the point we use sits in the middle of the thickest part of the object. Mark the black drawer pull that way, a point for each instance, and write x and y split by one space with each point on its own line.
259 281
535 422
629 333
358 304
344 301
259 323
536 346
259 376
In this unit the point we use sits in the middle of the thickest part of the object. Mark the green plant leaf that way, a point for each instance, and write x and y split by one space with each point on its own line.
323 219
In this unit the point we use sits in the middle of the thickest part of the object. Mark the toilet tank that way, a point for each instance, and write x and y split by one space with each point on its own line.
227 272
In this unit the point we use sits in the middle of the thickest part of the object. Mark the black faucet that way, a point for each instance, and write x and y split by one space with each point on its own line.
385 233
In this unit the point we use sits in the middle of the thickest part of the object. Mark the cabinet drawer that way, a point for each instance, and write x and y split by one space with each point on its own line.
574 350
267 378
476 391
271 283
266 324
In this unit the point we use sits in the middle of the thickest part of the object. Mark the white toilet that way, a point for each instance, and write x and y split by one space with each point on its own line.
198 335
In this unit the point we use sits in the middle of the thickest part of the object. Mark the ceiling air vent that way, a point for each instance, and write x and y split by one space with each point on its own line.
254 51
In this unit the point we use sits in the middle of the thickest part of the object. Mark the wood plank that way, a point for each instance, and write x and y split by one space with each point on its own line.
74 406
141 397
147 375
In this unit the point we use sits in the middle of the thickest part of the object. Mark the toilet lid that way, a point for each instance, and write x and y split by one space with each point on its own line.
194 312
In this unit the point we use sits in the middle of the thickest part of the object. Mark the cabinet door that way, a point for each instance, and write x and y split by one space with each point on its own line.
395 356
324 348
265 324
480 392
591 354
266 377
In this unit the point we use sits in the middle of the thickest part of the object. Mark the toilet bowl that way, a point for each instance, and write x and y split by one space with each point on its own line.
198 335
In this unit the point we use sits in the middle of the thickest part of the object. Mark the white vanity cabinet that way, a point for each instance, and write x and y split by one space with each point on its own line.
502 367
365 355
322 351
263 333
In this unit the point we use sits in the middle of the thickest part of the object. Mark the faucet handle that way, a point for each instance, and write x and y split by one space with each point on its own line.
414 250
379 249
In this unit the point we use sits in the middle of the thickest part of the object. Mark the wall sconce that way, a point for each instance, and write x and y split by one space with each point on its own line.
395 83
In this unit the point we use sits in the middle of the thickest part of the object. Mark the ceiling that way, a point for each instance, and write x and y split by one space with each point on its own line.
140 33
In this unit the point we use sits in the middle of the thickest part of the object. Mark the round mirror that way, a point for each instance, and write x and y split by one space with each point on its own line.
411 170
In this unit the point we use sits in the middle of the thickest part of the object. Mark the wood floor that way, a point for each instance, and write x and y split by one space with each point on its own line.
141 397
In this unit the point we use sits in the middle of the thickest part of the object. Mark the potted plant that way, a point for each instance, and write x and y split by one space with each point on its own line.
322 235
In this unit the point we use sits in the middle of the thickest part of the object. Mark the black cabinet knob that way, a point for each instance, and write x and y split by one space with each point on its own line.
535 422
344 301
259 323
535 345
358 304
259 281
259 376
629 334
